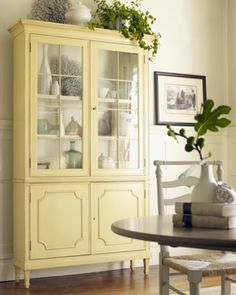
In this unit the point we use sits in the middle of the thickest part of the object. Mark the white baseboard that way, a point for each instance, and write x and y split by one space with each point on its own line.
7 269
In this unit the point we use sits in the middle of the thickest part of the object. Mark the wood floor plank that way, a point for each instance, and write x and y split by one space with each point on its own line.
118 282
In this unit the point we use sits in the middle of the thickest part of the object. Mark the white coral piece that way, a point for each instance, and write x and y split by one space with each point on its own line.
50 10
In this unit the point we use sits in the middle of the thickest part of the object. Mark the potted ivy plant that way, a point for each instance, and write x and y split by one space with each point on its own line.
208 119
129 20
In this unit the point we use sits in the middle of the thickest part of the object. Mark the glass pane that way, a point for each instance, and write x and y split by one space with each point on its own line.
71 86
72 121
72 157
60 107
48 58
107 150
48 120
128 66
108 64
104 123
48 152
71 60
128 154
117 109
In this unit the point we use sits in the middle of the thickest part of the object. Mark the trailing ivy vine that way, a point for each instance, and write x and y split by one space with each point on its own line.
129 20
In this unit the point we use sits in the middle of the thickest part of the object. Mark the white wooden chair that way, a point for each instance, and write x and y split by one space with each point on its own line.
218 264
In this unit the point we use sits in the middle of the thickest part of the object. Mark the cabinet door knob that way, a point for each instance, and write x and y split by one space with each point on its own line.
94 108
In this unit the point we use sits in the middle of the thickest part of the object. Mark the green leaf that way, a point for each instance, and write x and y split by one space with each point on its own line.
210 119
200 142
213 128
188 148
223 122
190 140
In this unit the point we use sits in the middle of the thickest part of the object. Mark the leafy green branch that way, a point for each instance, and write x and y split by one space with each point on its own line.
207 119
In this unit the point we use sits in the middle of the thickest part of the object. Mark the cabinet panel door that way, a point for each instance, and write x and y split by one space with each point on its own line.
59 220
118 109
111 202
59 106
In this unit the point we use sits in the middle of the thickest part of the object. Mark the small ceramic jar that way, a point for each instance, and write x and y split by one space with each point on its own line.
105 162
78 14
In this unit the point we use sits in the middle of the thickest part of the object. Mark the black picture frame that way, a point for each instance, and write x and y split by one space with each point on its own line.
178 97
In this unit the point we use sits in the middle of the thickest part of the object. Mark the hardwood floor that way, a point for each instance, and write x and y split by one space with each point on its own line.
118 282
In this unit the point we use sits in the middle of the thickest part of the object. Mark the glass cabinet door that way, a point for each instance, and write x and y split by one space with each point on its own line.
118 97
59 105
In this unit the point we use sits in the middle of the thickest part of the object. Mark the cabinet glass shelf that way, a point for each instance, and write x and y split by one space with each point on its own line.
55 97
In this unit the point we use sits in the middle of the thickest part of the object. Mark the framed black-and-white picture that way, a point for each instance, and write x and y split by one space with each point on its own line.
178 97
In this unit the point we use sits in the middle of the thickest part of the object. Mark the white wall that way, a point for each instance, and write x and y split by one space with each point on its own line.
193 41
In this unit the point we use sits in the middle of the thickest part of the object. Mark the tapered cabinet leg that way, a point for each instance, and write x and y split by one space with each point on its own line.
146 266
132 265
17 274
27 279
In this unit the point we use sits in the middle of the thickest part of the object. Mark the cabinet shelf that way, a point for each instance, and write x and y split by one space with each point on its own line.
71 137
57 97
114 100
55 136
117 80
111 138
48 136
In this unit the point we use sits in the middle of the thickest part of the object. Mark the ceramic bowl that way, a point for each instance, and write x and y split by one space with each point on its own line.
112 93
102 92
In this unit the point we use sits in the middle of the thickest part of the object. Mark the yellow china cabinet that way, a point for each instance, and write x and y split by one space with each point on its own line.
80 145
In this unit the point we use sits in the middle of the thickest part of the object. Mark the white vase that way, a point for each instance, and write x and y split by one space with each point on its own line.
62 127
205 189
45 77
78 14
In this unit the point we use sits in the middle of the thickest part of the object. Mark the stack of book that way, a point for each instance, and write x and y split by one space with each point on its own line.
208 215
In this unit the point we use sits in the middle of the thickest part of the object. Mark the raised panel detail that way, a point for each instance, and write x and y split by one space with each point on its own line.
59 219
125 203
113 202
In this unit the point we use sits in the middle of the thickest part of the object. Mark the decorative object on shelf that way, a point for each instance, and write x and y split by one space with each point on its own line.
119 16
45 77
44 165
112 93
71 86
62 127
105 162
207 119
78 14
45 127
104 123
50 11
101 160
102 92
178 97
124 124
55 88
73 158
74 128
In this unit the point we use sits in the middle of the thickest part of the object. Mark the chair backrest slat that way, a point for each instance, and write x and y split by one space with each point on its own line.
186 182
182 198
